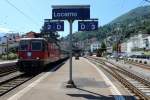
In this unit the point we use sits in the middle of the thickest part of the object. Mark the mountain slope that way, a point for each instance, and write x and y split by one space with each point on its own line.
131 23
140 12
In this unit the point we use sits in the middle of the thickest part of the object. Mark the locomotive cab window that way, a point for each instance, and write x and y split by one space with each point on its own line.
24 45
36 45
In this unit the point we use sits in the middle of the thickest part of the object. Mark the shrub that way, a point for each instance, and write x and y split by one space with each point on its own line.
4 57
11 56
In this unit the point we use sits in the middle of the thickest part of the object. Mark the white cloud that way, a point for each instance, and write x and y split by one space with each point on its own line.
4 30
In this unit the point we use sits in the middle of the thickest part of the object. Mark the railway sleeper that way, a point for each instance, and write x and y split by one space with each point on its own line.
129 85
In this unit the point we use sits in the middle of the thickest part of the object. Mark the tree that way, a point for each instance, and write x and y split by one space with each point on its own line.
148 29
13 49
103 46
50 36
101 51
147 1
114 47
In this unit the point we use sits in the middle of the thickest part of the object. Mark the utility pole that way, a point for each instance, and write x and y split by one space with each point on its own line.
117 41
7 47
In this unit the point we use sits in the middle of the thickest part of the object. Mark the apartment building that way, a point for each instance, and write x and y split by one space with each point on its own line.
136 44
8 41
94 46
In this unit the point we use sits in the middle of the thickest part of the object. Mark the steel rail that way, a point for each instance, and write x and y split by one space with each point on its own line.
12 83
116 73
144 66
7 70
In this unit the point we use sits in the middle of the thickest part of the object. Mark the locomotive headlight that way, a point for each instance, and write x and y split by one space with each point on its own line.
29 54
37 58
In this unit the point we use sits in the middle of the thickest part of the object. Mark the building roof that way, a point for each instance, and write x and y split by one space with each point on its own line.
32 39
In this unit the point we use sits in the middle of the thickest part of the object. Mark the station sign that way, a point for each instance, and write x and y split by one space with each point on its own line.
87 25
71 12
54 26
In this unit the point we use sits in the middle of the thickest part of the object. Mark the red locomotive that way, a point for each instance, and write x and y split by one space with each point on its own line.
35 53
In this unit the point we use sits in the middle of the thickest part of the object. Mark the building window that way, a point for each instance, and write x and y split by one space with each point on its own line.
146 43
5 50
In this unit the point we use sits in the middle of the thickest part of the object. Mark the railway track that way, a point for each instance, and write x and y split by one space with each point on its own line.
146 77
7 70
8 85
17 79
144 66
137 85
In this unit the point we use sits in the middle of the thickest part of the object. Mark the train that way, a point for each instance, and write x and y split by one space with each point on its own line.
36 53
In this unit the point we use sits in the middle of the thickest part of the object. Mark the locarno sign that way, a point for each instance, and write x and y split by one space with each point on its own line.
71 12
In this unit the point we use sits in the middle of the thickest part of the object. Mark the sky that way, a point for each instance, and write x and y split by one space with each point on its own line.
28 15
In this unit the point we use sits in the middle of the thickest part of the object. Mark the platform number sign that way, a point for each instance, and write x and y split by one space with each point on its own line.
87 25
54 26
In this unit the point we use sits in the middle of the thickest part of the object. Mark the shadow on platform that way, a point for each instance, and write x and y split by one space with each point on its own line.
95 96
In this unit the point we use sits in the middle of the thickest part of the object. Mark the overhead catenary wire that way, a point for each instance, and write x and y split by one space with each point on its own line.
32 9
123 2
25 15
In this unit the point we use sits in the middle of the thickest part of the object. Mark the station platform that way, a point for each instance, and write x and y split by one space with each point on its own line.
91 84
4 63
7 61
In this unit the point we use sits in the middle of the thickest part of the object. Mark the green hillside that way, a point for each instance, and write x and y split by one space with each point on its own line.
131 23
137 13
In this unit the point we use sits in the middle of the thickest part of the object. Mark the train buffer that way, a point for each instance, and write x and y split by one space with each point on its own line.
91 84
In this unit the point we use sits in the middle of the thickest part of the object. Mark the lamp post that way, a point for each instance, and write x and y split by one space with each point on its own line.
6 46
117 41
3 45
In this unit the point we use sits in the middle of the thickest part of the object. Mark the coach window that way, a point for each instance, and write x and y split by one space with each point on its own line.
36 45
45 46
